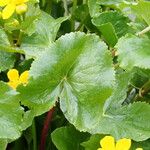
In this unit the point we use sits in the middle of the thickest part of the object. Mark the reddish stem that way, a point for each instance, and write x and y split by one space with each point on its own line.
47 123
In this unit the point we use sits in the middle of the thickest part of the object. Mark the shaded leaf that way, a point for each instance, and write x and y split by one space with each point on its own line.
66 138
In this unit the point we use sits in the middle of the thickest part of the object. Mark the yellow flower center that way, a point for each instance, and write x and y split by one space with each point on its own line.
15 79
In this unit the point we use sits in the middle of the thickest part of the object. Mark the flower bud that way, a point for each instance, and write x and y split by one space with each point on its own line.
20 9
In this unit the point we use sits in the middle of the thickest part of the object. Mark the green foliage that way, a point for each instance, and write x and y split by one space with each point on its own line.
134 51
11 120
143 10
46 29
68 137
112 25
6 60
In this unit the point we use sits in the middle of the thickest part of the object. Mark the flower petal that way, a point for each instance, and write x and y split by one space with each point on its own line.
8 11
17 2
4 2
13 84
108 143
13 75
123 144
24 77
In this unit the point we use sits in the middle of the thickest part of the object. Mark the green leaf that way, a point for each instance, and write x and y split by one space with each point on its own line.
69 68
93 143
94 8
144 144
112 25
120 92
142 9
3 144
6 60
109 2
134 51
126 121
123 121
46 31
33 14
109 34
141 76
5 44
10 113
66 138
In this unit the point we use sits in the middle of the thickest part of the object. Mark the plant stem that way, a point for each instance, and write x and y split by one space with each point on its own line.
147 29
19 39
47 122
34 135
65 7
145 89
72 19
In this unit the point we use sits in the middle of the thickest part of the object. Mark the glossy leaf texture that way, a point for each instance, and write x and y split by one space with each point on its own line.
112 25
6 60
133 51
10 113
46 29
77 68
130 120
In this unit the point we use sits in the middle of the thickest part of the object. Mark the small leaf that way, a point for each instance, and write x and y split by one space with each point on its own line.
134 51
46 31
66 138
94 8
6 60
93 143
142 9
112 25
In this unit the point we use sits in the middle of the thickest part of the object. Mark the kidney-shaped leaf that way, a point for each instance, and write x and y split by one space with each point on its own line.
78 68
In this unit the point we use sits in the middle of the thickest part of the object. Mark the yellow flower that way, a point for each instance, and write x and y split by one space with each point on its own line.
15 79
108 143
11 5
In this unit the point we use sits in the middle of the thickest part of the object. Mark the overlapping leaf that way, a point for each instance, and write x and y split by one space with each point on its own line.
142 9
112 25
10 113
6 60
134 52
94 8
129 121
46 29
68 137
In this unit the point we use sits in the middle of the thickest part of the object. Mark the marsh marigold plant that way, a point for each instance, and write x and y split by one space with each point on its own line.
108 143
10 6
15 79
